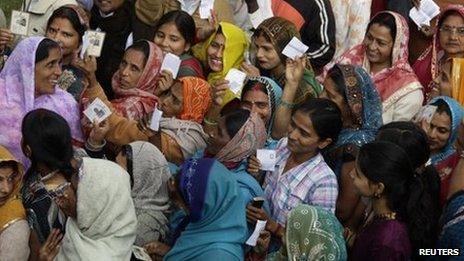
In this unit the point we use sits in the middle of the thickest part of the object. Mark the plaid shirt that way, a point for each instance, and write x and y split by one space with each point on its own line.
311 182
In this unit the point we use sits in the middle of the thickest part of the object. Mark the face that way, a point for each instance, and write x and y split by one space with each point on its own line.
379 44
302 137
62 31
266 54
331 92
108 6
131 68
219 138
171 102
47 73
361 183
452 35
257 101
439 131
170 40
215 53
8 178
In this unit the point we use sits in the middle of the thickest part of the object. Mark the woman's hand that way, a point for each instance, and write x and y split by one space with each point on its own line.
165 81
51 247
262 244
253 165
88 65
206 30
294 70
218 90
98 133
6 37
416 3
250 70
157 248
254 214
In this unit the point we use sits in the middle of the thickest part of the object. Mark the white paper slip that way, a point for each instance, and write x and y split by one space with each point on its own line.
205 8
19 22
260 226
267 158
97 111
92 43
427 10
295 48
236 79
155 119
171 62
140 253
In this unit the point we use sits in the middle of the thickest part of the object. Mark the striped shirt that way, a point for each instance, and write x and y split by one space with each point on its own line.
311 182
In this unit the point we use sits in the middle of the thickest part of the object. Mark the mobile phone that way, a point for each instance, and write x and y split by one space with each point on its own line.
258 202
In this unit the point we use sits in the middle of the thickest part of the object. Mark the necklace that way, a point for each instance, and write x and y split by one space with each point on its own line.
386 216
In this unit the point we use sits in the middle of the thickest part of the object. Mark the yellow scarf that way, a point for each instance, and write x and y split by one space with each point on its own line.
457 80
13 209
236 43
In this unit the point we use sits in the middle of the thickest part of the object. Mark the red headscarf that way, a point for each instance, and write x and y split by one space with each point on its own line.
139 101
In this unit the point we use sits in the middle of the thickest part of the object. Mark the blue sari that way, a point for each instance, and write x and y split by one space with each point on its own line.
217 223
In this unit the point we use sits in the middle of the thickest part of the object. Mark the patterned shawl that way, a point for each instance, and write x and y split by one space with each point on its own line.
250 137
13 209
139 101
364 104
399 75
427 66
196 99
17 97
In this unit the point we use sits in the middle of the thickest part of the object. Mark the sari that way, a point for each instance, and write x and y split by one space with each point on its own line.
312 233
394 83
150 192
17 98
216 228
106 223
139 101
457 80
428 66
236 43
446 160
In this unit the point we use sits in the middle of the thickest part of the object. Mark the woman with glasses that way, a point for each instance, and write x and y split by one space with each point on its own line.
432 67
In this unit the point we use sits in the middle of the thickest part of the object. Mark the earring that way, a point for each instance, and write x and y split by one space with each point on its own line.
28 152
376 195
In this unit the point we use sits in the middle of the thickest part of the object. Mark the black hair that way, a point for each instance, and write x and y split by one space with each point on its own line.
143 47
405 191
71 15
235 120
49 137
9 164
442 106
251 84
337 76
325 116
184 23
387 20
43 50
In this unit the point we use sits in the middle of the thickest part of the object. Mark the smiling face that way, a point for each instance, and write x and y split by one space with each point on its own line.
172 101
302 137
266 54
439 131
258 102
379 45
170 40
215 53
8 178
108 6
452 35
131 68
62 31
47 73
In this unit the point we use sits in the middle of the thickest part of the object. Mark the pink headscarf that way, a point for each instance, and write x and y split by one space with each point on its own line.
399 75
137 102
17 98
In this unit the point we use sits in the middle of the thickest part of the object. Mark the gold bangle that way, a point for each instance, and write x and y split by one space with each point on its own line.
205 120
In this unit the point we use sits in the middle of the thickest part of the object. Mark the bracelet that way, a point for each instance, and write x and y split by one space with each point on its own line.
95 148
288 105
205 120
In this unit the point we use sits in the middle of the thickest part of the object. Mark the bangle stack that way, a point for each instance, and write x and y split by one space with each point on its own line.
288 105
92 147
210 122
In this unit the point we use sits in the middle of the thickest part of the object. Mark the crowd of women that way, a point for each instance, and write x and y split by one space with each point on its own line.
368 139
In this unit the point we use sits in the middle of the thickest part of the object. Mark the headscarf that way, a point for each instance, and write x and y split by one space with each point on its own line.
364 104
81 14
427 66
17 97
217 220
250 137
314 234
106 223
274 94
235 45
197 99
281 31
139 101
150 191
13 209
457 113
399 75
